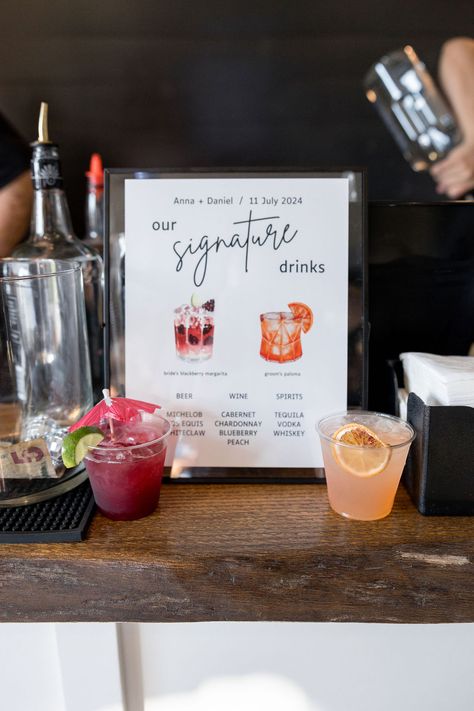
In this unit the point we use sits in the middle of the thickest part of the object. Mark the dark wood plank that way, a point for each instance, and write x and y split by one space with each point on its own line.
255 552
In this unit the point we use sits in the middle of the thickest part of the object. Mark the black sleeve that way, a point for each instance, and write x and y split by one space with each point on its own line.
14 153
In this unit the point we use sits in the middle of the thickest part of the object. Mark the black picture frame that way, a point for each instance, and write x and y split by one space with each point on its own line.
114 306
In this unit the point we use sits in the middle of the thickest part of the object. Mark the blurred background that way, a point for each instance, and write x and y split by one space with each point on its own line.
170 83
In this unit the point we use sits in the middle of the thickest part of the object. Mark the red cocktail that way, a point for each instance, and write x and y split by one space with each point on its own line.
126 468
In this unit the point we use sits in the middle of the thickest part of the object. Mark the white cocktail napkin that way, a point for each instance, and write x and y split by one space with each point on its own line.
440 380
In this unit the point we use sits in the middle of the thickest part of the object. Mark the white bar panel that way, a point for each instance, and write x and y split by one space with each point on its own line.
30 678
307 667
90 666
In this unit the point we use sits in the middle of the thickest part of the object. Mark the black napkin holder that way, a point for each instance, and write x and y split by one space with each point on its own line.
439 474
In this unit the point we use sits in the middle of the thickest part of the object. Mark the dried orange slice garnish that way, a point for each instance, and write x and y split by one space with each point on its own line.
366 454
301 310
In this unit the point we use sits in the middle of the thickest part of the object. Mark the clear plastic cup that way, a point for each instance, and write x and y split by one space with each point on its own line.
362 480
126 468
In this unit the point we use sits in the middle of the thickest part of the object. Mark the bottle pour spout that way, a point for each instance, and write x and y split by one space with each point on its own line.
43 133
95 174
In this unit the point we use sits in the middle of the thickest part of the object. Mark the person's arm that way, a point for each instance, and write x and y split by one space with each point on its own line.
455 174
15 210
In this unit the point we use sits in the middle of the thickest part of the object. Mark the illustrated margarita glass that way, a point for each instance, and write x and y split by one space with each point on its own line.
364 455
281 332
124 460
194 329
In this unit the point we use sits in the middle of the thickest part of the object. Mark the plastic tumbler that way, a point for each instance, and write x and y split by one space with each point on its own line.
362 479
126 468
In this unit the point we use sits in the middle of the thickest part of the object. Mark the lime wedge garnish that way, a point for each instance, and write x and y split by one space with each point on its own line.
196 300
76 444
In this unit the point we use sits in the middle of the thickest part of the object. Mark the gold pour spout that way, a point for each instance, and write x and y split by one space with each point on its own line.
43 134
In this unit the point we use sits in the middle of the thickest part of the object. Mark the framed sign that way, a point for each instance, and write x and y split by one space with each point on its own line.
236 300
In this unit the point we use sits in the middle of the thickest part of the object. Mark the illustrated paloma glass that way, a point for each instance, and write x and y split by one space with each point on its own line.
281 332
364 455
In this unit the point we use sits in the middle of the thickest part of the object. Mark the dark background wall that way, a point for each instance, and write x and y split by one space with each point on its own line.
163 83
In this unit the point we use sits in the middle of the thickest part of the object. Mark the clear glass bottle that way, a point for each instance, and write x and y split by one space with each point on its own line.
52 236
94 236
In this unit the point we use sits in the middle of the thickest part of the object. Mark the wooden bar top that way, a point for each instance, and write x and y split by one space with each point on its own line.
248 552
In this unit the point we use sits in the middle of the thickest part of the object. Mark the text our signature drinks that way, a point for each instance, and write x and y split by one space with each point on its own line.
364 455
126 468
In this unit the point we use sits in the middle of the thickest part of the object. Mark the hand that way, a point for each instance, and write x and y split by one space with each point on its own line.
455 174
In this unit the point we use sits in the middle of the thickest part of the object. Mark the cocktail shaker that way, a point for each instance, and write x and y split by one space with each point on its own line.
412 107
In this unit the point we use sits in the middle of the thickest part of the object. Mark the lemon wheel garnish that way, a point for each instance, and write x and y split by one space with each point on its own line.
361 453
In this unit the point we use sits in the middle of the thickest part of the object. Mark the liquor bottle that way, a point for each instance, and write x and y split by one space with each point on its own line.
52 236
94 236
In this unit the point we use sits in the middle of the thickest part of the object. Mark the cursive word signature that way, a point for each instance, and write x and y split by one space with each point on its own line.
206 246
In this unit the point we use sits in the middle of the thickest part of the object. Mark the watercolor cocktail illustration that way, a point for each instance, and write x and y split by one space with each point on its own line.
194 329
123 444
281 332
364 455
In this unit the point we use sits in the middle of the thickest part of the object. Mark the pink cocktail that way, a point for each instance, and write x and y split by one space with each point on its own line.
126 468
362 478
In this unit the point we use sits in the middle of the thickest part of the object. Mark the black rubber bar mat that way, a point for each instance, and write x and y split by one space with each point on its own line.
59 520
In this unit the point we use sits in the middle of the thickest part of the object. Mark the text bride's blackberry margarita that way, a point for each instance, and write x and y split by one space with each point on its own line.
126 468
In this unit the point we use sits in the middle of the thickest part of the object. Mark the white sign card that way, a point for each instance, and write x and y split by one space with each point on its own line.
237 313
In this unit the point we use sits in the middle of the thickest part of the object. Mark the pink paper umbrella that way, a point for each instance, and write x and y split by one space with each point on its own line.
121 409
